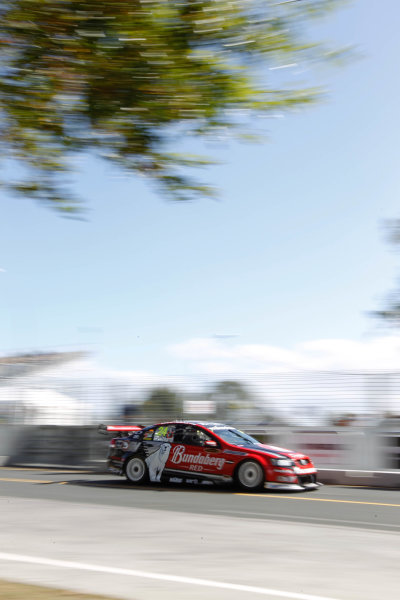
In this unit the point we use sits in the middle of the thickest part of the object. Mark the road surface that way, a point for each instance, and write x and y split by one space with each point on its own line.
96 533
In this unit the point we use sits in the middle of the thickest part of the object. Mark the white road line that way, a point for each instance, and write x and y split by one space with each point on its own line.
37 560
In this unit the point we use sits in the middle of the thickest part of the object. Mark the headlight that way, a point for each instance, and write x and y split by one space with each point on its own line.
282 462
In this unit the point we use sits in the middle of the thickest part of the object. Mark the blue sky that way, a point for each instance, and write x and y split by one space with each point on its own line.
293 252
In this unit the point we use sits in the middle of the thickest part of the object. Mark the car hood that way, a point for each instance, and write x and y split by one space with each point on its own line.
275 451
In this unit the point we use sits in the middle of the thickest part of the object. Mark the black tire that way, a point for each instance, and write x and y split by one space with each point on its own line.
136 470
250 476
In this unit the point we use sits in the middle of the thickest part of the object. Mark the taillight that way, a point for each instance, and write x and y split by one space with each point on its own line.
112 443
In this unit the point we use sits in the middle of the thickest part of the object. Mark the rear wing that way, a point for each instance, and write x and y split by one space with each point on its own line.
118 430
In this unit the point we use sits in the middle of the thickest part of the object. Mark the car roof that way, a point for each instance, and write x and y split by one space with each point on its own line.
206 424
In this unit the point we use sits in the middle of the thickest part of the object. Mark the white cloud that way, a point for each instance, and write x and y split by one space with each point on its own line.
88 369
201 349
210 355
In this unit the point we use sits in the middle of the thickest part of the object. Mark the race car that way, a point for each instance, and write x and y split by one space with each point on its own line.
197 452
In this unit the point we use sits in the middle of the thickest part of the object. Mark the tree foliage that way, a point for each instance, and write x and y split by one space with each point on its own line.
390 312
163 403
230 396
127 79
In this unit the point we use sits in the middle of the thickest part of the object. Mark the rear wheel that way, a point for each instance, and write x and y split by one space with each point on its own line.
136 470
250 476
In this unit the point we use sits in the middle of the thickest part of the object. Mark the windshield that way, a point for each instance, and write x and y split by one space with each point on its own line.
234 436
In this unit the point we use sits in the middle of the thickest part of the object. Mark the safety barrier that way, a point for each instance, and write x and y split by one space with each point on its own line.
364 456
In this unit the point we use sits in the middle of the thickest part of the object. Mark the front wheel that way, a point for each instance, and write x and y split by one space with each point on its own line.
250 476
136 470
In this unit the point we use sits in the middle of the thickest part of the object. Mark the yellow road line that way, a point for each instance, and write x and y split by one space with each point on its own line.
318 500
26 480
23 469
45 470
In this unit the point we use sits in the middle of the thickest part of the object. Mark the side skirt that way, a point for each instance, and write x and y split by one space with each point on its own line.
195 475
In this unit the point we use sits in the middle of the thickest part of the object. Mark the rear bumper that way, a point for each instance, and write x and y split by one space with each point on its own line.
115 466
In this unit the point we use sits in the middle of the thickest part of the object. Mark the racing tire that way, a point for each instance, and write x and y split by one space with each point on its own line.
136 470
250 476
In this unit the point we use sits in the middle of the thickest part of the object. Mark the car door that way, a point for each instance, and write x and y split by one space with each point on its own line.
195 452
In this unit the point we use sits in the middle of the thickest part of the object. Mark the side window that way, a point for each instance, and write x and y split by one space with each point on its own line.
148 435
203 436
179 433
194 436
164 433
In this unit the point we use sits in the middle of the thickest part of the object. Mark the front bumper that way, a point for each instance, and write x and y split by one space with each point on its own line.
291 487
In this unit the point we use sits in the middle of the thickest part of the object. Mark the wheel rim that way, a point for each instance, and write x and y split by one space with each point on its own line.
135 469
250 475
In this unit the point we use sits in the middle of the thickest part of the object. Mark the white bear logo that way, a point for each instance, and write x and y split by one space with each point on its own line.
156 461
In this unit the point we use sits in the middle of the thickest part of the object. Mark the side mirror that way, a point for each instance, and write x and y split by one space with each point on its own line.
210 444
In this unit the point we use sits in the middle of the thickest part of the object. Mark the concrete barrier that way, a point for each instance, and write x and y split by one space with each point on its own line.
349 455
53 445
378 479
9 436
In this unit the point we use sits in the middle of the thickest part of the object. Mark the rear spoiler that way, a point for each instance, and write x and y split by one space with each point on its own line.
118 429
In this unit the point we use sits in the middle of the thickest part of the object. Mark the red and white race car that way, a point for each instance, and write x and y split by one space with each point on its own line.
205 452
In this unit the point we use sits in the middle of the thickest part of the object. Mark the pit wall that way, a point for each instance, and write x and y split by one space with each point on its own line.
359 456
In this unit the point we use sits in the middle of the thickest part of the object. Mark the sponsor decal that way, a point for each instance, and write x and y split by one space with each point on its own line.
195 460
303 471
165 433
156 462
134 446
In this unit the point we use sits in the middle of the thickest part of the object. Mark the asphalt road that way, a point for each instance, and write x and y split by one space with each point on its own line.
96 533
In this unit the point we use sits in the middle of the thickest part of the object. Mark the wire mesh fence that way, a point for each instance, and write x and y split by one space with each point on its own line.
37 390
